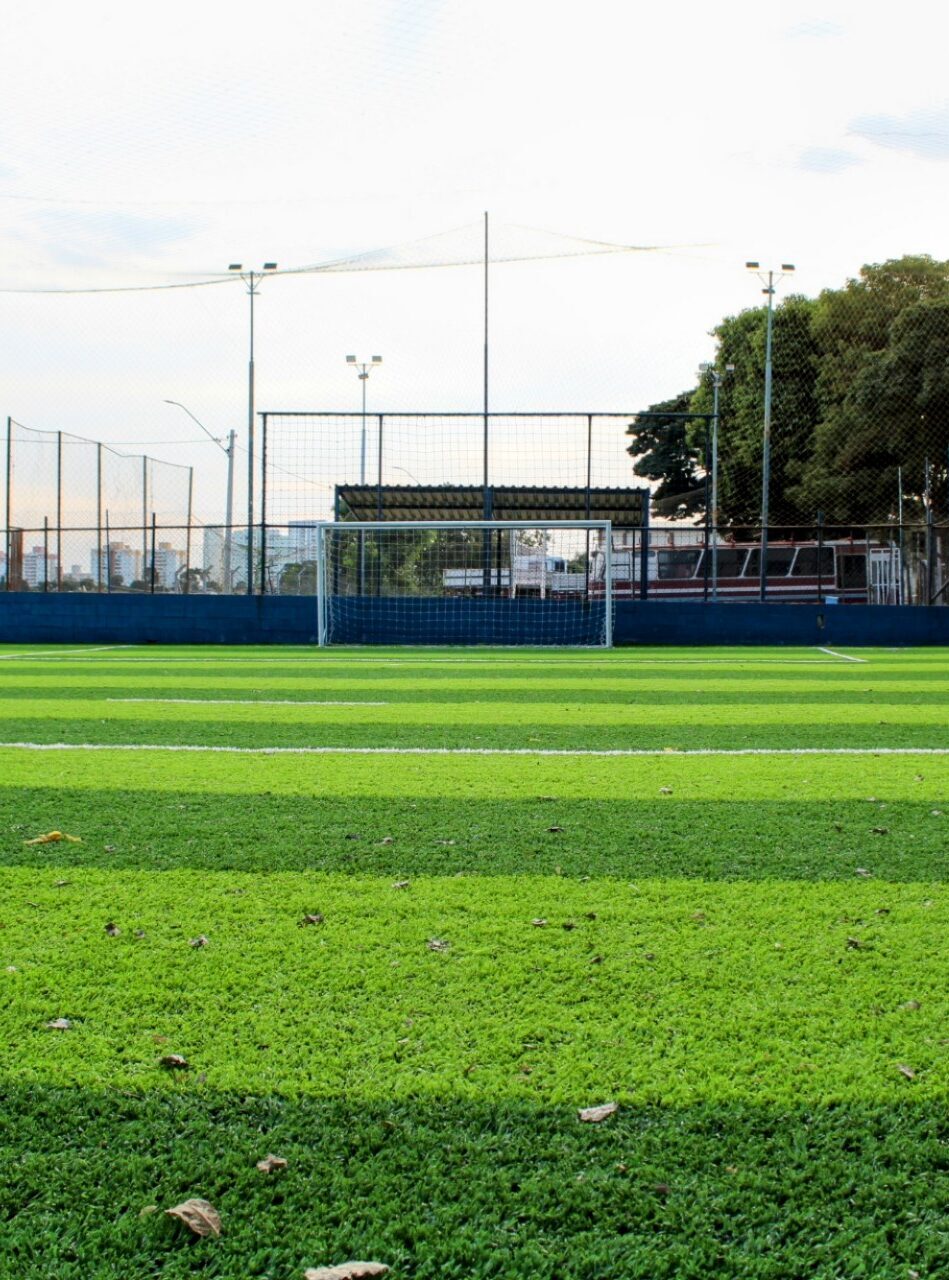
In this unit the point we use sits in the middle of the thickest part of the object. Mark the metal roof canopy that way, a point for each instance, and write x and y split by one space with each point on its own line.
624 507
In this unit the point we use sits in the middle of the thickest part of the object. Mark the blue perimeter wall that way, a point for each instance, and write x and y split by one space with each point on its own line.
34 618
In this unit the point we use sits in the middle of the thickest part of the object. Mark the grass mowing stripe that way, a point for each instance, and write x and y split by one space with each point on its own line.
922 775
713 839
664 992
249 702
463 1189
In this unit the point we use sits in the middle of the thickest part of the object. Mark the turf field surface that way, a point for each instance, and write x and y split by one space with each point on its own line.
747 953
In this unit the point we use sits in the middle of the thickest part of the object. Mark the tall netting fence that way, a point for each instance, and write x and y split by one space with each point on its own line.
308 458
78 515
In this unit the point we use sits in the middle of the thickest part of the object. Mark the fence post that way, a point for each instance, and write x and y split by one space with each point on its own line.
152 591
59 511
108 557
930 556
99 516
188 534
46 553
8 538
644 551
145 519
820 557
263 504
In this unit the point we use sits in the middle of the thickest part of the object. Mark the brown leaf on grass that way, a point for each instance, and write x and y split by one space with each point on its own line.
910 1004
555 829
347 1271
112 929
590 915
315 917
879 831
539 923
401 884
665 791
199 1215
174 1062
596 960
270 1163
387 840
568 925
437 944
199 941
906 1071
661 1188
53 837
862 871
58 1024
61 884
854 944
594 1115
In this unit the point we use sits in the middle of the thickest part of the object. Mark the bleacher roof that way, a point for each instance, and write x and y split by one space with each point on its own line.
624 507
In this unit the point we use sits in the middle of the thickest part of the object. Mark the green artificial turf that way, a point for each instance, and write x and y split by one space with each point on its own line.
747 953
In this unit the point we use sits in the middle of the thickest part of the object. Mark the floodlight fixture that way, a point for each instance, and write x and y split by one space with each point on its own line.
787 266
752 266
235 266
350 359
272 266
377 359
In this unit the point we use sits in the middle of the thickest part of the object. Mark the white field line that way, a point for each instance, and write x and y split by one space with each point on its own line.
59 653
845 656
250 702
474 751
320 664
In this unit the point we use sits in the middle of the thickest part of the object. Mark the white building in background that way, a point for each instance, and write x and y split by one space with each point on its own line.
124 562
168 561
38 568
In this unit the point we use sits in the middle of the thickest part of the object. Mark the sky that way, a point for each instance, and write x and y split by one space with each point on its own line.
153 145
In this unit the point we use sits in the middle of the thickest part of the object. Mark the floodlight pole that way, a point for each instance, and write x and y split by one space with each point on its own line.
716 388
252 279
772 279
364 368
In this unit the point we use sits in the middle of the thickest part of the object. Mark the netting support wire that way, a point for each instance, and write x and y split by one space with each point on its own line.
108 557
99 516
820 557
8 490
587 505
608 585
46 553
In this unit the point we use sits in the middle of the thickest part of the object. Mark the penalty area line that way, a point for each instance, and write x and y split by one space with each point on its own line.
658 752
845 657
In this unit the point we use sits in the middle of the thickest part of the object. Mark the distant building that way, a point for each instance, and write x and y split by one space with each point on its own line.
39 568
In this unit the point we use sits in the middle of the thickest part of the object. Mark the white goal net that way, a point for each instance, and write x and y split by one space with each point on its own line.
459 582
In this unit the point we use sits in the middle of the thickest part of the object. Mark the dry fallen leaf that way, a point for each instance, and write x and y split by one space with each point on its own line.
200 941
174 1062
555 828
112 929
908 1072
862 871
58 1024
593 1115
910 1004
315 917
53 837
854 944
200 1216
880 831
539 923
270 1163
401 884
387 840
346 1271
568 925
437 944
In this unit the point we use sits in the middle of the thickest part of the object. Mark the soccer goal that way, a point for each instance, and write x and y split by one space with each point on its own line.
507 582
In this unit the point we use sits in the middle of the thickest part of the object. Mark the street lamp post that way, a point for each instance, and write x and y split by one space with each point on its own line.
769 282
364 368
229 511
252 279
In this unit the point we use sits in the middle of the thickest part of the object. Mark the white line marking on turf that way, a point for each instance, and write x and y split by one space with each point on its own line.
475 751
251 702
59 653
845 656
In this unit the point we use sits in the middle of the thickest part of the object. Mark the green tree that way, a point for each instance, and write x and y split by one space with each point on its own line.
666 454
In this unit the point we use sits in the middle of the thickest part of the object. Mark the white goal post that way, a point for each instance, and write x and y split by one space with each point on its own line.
501 582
